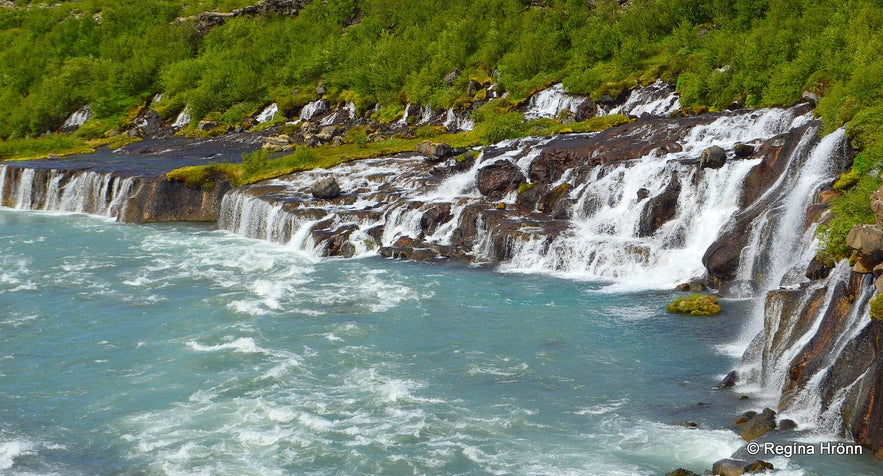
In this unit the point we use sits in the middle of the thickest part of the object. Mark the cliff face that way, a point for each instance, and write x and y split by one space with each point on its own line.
127 198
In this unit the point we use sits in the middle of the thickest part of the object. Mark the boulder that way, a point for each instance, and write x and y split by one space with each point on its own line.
817 269
279 143
743 150
643 193
661 208
326 188
694 286
206 125
866 242
434 151
730 380
735 467
327 133
681 472
757 425
337 141
786 424
713 157
810 97
451 77
473 87
499 178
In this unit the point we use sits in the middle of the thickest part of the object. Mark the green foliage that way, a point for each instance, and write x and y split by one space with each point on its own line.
876 305
255 161
695 305
849 209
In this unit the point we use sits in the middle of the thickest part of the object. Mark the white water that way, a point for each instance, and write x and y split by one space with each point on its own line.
657 99
78 118
267 114
346 113
102 194
183 119
456 123
551 102
312 108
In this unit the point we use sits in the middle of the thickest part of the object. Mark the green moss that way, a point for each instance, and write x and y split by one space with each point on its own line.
525 186
876 306
695 305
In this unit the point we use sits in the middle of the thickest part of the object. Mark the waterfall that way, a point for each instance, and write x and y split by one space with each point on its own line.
657 99
551 102
78 118
94 193
267 114
454 122
313 108
183 119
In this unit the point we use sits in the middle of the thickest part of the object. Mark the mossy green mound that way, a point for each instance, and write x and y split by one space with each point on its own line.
695 305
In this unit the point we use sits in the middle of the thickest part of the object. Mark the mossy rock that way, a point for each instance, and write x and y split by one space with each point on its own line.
695 305
877 308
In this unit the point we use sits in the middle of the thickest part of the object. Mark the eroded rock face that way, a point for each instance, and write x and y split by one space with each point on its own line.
753 427
660 208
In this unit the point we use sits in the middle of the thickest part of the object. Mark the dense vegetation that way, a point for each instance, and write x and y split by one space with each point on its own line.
116 55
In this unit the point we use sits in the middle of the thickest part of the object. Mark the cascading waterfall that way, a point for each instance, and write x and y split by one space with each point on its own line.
94 193
551 102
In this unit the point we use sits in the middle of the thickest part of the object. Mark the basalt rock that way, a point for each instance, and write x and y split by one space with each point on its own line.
730 380
661 208
713 157
499 178
326 188
757 425
434 151
735 467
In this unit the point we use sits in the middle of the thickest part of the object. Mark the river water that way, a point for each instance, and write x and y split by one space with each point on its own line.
179 349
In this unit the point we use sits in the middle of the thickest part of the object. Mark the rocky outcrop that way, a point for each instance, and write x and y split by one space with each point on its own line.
499 178
753 425
661 208
326 188
161 200
734 467
713 157
207 20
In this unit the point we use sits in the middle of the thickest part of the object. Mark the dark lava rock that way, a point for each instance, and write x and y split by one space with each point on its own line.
326 188
499 178
758 425
730 380
743 150
661 208
643 193
817 269
713 157
787 425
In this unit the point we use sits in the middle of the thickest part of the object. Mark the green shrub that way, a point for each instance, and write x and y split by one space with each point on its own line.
695 305
876 306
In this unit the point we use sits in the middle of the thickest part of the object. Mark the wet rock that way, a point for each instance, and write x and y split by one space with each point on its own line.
787 425
528 197
499 178
661 208
730 380
326 188
688 424
694 286
713 157
757 425
435 216
681 472
817 269
743 150
643 193
735 467
554 198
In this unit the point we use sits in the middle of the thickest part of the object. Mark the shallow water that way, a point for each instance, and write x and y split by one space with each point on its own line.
177 349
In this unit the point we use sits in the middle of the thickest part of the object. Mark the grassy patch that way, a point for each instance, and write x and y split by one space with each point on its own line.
876 305
695 305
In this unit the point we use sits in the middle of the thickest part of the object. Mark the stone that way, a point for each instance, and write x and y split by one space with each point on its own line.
712 157
730 380
786 424
326 188
661 208
810 97
729 467
643 193
337 141
757 425
878 283
688 424
758 466
499 178
327 133
817 269
451 77
320 89
473 87
866 242
743 150
434 151
681 472
206 125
